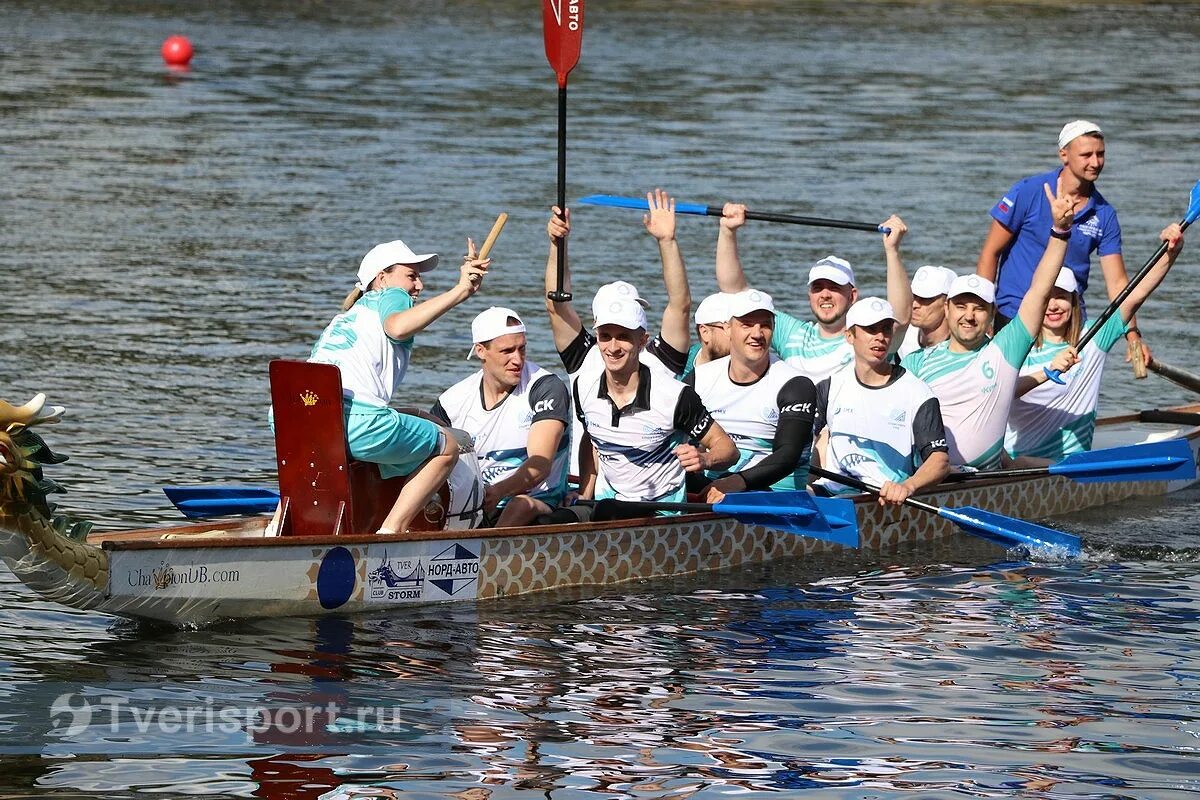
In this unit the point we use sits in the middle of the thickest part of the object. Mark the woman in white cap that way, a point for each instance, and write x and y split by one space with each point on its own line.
1049 420
370 343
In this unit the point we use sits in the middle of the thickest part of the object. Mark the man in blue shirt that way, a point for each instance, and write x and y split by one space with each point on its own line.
1021 224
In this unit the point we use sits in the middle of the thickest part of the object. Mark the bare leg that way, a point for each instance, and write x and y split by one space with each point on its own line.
520 510
424 481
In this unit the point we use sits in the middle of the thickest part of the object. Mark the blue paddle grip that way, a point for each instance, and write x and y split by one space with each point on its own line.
1053 375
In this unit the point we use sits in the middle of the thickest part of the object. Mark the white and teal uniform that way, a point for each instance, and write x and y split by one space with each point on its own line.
975 390
636 443
502 433
754 414
1052 420
801 344
878 433
372 367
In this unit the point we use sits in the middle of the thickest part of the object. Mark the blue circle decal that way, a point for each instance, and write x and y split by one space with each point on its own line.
336 578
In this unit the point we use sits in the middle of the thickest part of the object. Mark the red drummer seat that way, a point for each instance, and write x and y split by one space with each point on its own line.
322 490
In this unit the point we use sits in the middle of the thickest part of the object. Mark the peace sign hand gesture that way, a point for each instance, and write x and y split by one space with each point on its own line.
1062 208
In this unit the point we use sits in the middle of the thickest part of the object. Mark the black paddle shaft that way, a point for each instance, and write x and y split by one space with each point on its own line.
792 219
558 295
855 483
1128 290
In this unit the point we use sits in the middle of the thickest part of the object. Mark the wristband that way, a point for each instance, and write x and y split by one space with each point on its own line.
1059 233
1134 329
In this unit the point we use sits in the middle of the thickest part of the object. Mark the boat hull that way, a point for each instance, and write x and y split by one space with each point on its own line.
199 573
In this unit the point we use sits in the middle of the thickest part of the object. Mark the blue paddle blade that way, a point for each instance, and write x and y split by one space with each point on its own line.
1008 532
795 512
1171 460
1193 212
638 203
201 502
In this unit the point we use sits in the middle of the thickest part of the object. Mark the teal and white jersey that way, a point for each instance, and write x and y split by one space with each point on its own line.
502 433
975 391
1053 421
800 344
372 364
878 433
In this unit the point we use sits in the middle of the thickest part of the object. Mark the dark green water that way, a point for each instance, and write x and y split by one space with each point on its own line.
165 235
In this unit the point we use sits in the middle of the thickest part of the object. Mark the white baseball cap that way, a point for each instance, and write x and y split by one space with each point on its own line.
832 268
626 313
1066 280
868 311
713 309
617 290
979 286
930 281
494 323
1073 130
749 301
382 256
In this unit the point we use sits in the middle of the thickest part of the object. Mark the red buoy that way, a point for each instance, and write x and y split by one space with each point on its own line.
177 51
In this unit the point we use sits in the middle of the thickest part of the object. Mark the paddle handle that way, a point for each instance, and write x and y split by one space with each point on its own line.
558 295
493 235
698 209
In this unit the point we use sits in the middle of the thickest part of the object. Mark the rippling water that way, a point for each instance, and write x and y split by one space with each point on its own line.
166 234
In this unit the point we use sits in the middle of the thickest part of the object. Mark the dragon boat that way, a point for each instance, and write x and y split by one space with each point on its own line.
315 555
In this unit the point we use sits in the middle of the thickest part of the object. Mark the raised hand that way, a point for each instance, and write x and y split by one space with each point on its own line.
1173 235
473 269
896 230
1062 208
733 216
559 226
660 221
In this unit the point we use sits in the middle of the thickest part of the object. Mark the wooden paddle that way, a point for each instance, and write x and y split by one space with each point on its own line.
1171 460
1191 216
562 27
1184 378
830 519
493 235
997 528
716 211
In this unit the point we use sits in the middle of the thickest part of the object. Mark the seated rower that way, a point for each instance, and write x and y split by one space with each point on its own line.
764 405
639 422
667 352
818 348
877 422
518 414
370 343
929 325
975 377
1050 421
712 331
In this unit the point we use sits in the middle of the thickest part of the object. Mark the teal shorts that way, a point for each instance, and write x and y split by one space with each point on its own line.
398 443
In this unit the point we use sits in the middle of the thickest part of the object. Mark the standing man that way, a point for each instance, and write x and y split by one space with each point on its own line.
929 325
1021 221
818 348
640 424
764 405
518 414
878 422
975 378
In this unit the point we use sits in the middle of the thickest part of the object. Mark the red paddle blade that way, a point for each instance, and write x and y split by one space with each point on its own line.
562 21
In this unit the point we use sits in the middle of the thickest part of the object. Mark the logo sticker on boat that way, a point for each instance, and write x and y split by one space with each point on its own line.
422 571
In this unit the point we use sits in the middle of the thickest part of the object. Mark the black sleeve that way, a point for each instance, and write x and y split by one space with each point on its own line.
440 412
691 417
822 406
574 354
929 434
793 435
548 399
671 358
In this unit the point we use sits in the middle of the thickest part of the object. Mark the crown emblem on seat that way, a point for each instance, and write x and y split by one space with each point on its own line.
309 397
